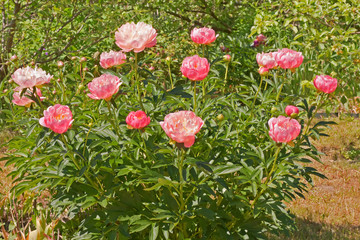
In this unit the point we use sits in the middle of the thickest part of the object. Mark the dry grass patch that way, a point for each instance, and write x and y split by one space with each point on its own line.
331 209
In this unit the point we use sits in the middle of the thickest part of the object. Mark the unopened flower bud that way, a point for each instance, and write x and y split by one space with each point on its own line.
54 92
73 58
86 69
227 58
263 71
261 38
81 86
10 81
60 64
220 117
151 68
83 59
58 80
274 110
294 115
14 58
5 90
168 59
255 43
32 63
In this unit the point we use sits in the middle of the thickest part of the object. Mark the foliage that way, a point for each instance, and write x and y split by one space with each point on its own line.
328 34
110 182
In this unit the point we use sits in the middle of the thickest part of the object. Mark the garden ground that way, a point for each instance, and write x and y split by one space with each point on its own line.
331 207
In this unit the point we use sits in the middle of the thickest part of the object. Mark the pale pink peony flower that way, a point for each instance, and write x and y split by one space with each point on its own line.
58 118
266 60
23 100
137 37
203 35
325 83
182 126
290 110
263 71
29 77
283 129
110 59
288 59
104 87
137 120
195 68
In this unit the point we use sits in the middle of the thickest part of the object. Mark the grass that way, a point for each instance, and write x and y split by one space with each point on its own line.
331 209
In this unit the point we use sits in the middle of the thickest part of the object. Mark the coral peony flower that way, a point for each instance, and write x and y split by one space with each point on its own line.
325 83
29 77
137 119
104 87
182 126
110 59
137 37
263 71
290 110
288 59
203 35
58 118
195 68
23 100
283 129
266 60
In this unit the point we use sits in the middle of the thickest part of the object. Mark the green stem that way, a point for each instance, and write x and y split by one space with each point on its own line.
203 50
77 165
257 92
138 82
226 74
278 95
112 120
143 141
194 97
86 139
181 190
37 98
171 81
318 104
267 179
204 89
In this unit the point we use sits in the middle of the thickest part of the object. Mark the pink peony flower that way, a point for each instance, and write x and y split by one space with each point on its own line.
283 129
289 59
203 35
137 37
58 118
110 59
23 100
325 83
29 77
266 60
263 71
104 87
195 68
182 126
137 119
290 109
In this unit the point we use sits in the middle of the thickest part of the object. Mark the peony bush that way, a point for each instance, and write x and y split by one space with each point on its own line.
135 156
